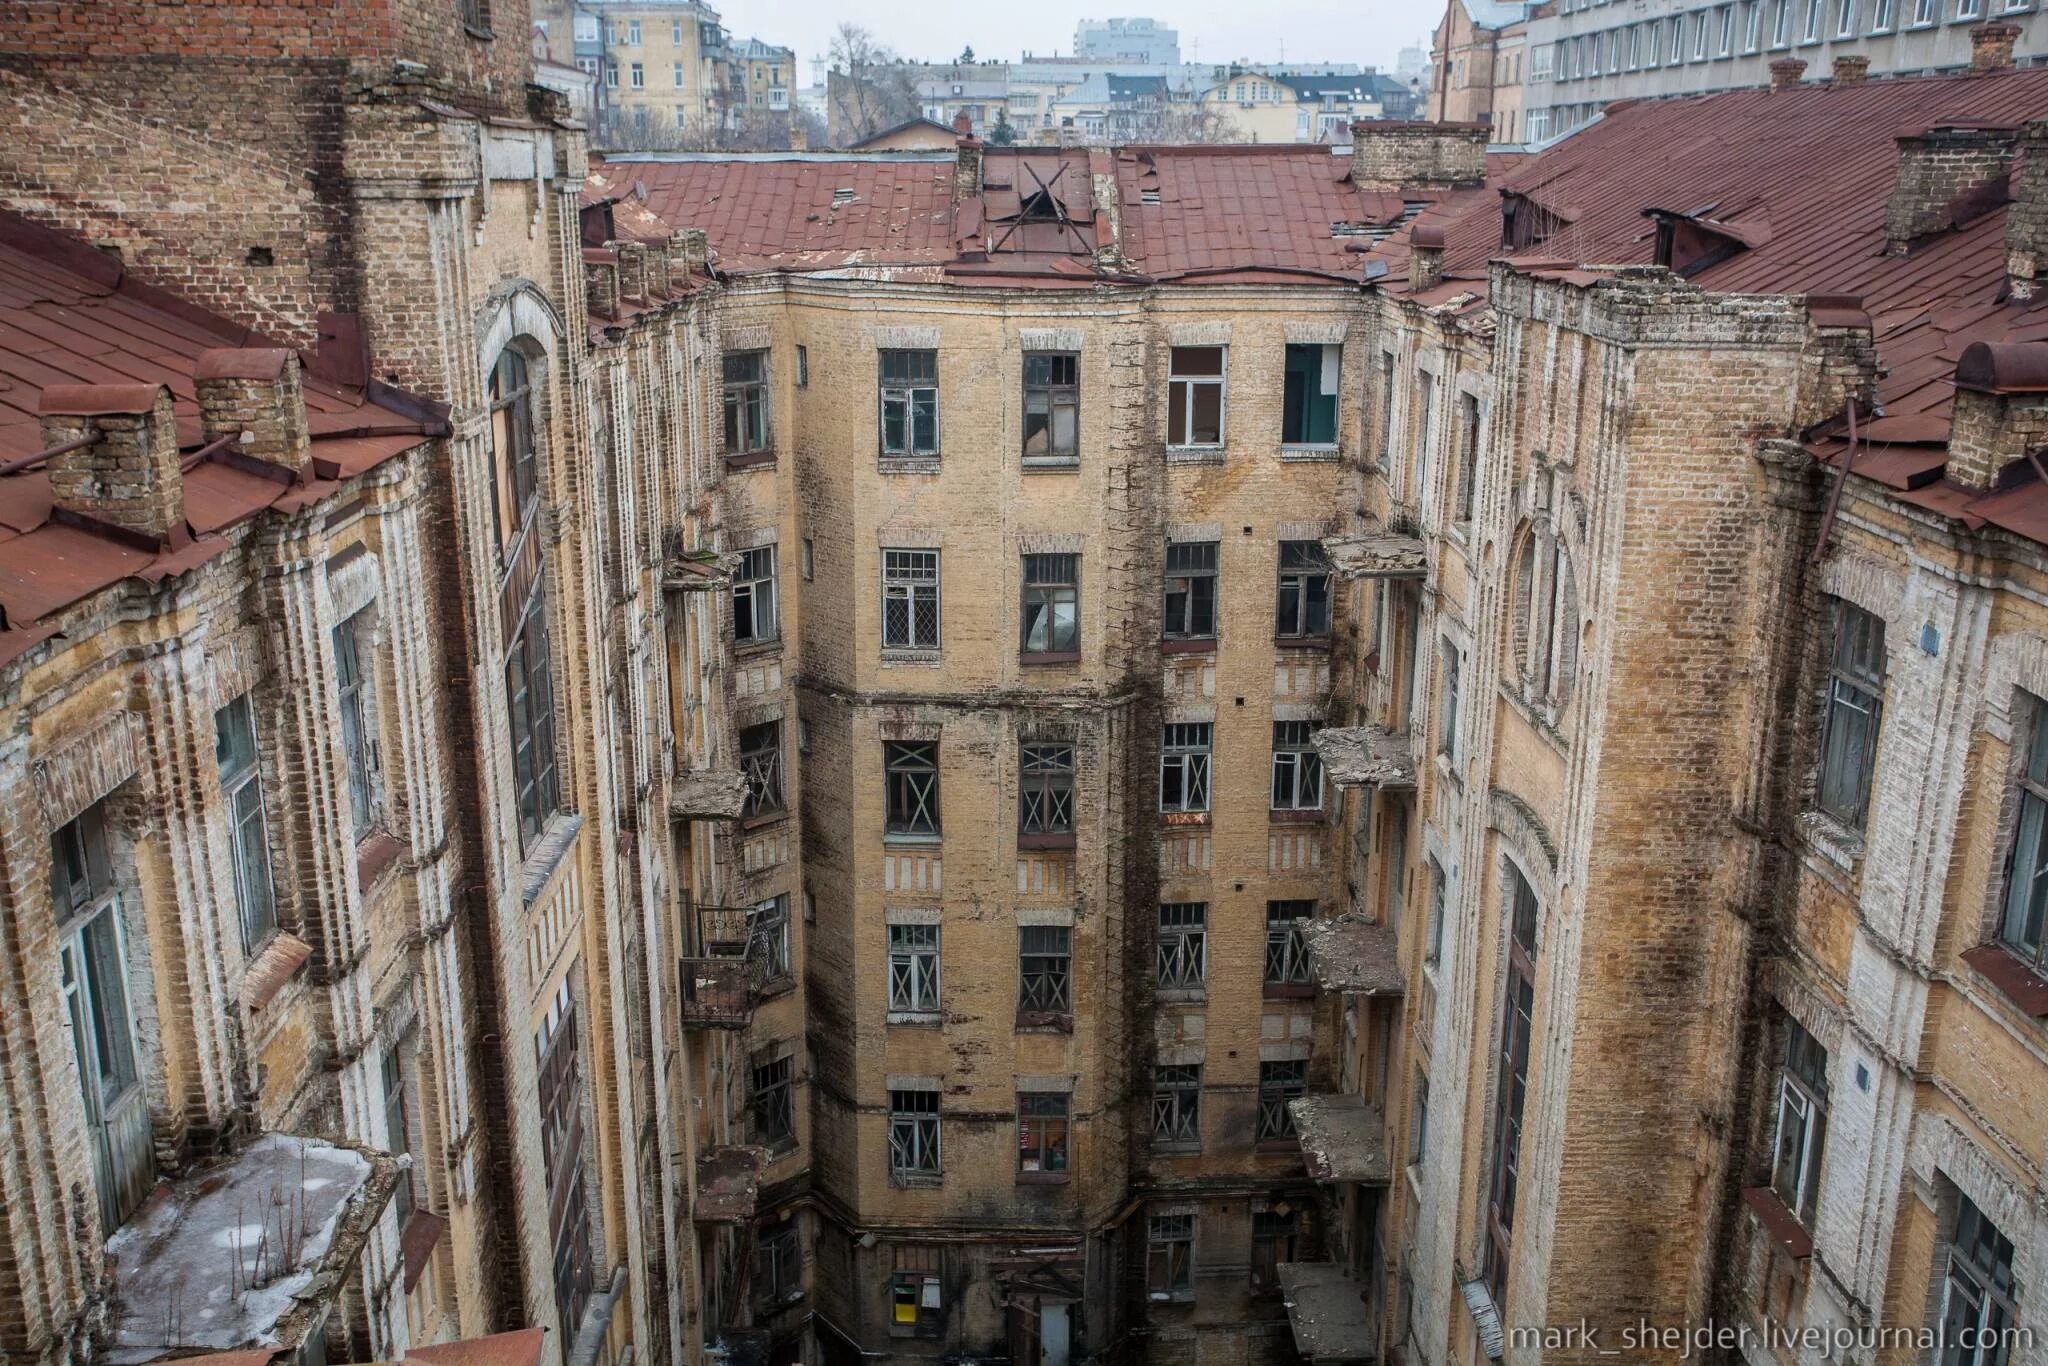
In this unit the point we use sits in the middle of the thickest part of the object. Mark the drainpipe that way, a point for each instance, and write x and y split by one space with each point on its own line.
597 1323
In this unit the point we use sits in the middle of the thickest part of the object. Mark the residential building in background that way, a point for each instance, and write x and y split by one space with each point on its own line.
1144 42
761 79
1479 54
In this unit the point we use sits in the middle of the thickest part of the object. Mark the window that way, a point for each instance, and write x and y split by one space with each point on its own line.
910 402
1969 9
679 75
2026 896
913 1134
530 700
1051 610
803 367
1438 895
1854 703
1976 1292
778 1265
918 1297
1635 46
1177 1105
1425 433
1170 1256
1724 42
1546 615
1184 753
1699 36
1279 1082
241 787
1468 455
1297 768
914 969
1308 405
1752 25
1191 590
1286 953
398 1130
911 773
753 597
1447 723
1781 22
1045 794
358 740
1923 12
1881 15
1652 33
1042 1118
675 32
556 1046
1845 18
1304 603
639 76
768 937
1273 1235
774 1101
1194 397
1183 945
611 75
1511 1082
1418 1138
633 32
746 401
1045 960
910 599
810 559
1052 407
1386 408
1811 32
761 762
1802 1122
515 466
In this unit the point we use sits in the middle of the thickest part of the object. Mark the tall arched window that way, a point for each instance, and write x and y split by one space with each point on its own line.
1511 1077
522 597
1544 626
515 472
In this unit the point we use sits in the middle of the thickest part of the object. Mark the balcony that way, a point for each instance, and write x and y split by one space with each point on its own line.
1353 956
723 979
1378 554
1327 1310
697 571
708 794
728 1183
1342 1139
1367 756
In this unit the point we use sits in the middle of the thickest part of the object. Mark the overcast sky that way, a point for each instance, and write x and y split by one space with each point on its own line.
1369 32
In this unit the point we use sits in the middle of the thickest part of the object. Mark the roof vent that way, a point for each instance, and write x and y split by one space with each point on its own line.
1148 196
842 195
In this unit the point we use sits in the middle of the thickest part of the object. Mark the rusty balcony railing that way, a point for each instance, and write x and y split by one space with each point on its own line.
723 976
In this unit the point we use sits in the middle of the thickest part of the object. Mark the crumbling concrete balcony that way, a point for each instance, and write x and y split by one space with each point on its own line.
695 571
728 1183
1342 1139
708 794
1353 956
1327 1310
1367 756
1378 554
249 1251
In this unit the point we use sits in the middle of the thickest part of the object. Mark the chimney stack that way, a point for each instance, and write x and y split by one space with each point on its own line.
1936 168
1851 70
1387 155
601 287
1991 46
127 479
2000 412
1785 72
2026 220
255 394
966 163
690 249
1425 257
632 268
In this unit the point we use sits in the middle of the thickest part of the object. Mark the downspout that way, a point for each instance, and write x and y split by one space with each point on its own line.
597 1323
1827 518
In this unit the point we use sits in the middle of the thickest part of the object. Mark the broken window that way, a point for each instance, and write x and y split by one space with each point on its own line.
746 402
241 787
910 402
1183 945
1177 1104
1977 1308
753 597
1438 891
1191 590
1511 1081
1194 396
1050 614
2026 894
1386 408
1052 407
1304 602
761 762
774 1100
398 1125
1279 1083
1468 454
1854 703
768 937
1447 720
1297 768
1170 1256
1802 1122
1045 962
778 1265
561 1145
530 700
1045 790
358 738
1308 407
1286 952
1184 754
1042 1119
910 599
1273 1237
911 770
914 969
515 469
913 1134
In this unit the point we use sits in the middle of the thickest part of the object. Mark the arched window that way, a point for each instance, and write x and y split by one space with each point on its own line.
1511 1076
523 603
1544 626
515 470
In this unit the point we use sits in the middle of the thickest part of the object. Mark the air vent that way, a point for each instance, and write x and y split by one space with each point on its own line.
843 195
1148 196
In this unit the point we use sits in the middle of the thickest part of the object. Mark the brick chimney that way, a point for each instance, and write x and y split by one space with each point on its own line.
2000 412
966 163
128 479
1425 257
2026 221
601 287
1851 69
1936 167
690 250
1991 46
255 394
1387 155
632 268
1785 72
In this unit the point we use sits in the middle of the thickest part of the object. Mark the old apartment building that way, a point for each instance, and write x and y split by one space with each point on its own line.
1165 753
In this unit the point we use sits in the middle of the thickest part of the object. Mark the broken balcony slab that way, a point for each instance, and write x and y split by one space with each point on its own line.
1354 956
729 1183
247 1251
1377 555
1342 1139
1326 1308
708 794
697 571
1367 756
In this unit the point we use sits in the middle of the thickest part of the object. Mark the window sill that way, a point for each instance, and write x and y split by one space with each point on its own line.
1277 1143
547 851
1288 991
376 855
1831 839
917 1181
751 460
1049 657
1312 815
1194 455
1190 645
908 464
751 649
1171 1296
1176 1149
1302 643
910 659
1051 839
766 818
896 839
271 966
779 1148
1051 464
1045 1022
2021 982
1778 1222
916 1019
482 35
1180 996
1044 1178
1310 454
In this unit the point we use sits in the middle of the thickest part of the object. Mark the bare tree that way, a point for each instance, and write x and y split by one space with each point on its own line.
868 87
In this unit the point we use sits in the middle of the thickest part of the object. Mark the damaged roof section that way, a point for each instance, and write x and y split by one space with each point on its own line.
1327 1310
1377 555
1367 756
1354 956
1342 1139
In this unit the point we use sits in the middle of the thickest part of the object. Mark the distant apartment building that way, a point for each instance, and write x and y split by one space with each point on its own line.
664 63
1127 40
761 78
1479 56
1257 104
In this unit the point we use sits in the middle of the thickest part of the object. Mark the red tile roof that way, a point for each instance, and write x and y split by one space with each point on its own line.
69 315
